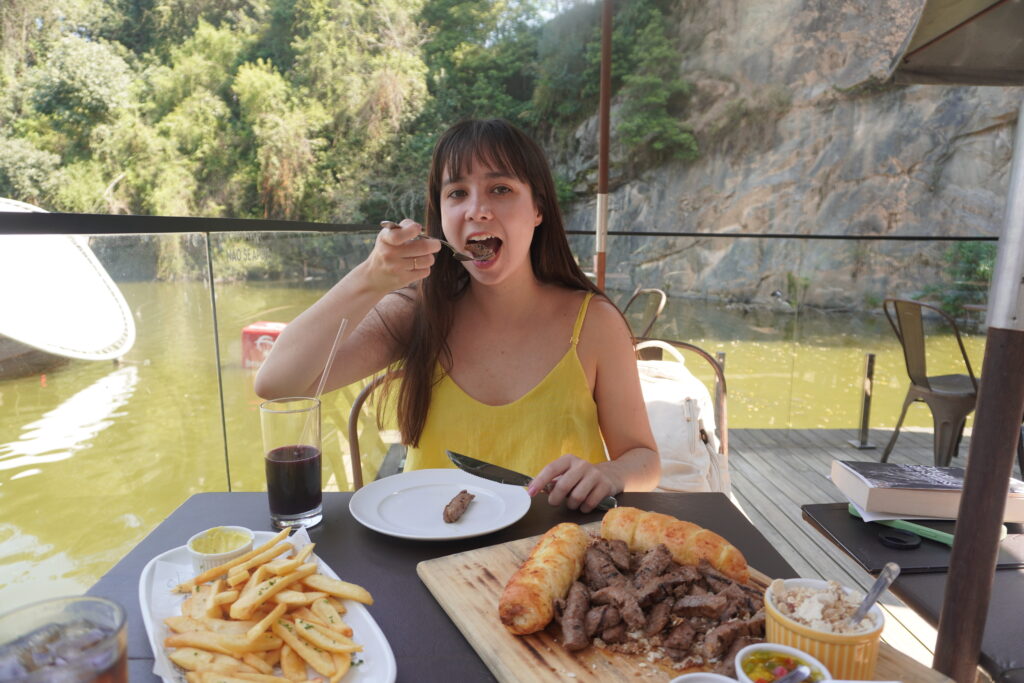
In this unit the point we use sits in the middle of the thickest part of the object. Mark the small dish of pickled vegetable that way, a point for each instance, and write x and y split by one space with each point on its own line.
768 662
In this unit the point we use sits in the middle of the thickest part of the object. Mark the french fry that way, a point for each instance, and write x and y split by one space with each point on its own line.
225 664
225 643
342 663
339 588
225 597
265 556
264 678
328 614
263 624
211 608
237 578
195 605
323 638
226 625
181 624
247 604
218 677
288 565
257 662
337 604
303 613
321 662
292 665
249 589
220 570
345 635
273 657
191 658
292 597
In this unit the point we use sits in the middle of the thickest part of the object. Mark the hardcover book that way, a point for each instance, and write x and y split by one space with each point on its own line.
913 490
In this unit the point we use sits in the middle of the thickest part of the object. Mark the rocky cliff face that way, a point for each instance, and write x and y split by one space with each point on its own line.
800 134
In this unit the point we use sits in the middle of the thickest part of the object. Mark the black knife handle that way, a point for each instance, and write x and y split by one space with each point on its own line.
607 504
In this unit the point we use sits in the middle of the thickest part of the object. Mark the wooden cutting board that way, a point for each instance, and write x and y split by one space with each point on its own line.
467 586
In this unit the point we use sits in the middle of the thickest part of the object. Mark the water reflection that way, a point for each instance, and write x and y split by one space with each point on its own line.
71 426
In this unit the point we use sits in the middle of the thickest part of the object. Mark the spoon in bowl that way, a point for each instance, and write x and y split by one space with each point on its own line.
888 574
480 254
796 675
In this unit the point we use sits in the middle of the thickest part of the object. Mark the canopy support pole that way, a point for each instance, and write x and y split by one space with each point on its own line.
997 428
604 125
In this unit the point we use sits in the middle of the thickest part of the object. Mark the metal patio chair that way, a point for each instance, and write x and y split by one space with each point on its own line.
951 398
719 393
395 458
653 300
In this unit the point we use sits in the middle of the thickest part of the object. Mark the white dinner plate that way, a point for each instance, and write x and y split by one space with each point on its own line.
410 505
167 570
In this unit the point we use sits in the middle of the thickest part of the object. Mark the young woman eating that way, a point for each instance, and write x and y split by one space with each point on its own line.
518 360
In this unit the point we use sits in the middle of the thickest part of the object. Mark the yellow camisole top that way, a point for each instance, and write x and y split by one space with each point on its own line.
555 417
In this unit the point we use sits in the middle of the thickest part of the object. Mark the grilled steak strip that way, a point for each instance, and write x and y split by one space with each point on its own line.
600 570
617 550
727 666
574 636
653 563
621 597
615 634
681 637
457 506
657 618
700 606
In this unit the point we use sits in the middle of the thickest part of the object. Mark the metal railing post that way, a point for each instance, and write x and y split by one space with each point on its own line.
720 357
867 388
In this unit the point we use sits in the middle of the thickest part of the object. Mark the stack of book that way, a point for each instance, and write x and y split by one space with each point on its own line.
898 491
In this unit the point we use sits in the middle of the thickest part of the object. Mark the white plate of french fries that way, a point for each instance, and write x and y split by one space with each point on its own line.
277 613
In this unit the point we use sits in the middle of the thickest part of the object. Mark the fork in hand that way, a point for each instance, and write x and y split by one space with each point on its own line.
484 254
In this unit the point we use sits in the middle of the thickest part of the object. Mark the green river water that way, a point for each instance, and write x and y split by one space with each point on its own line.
94 455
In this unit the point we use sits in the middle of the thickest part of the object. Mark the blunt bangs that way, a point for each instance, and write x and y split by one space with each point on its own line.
488 142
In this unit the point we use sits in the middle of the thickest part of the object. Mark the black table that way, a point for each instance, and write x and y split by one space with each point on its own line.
1002 647
426 644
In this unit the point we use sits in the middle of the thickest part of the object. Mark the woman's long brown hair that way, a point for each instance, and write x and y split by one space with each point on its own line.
502 146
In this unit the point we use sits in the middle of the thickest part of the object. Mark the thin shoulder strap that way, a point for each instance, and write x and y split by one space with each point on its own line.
579 319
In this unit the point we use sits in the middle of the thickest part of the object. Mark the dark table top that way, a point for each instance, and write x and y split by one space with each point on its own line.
415 625
1002 647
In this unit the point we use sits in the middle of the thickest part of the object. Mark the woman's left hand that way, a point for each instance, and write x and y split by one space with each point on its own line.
579 484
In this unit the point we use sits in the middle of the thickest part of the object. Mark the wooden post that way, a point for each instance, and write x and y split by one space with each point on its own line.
990 460
604 125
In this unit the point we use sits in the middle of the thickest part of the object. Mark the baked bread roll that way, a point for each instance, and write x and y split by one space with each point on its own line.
688 543
527 604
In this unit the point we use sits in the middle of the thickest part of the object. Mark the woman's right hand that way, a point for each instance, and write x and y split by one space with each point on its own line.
397 259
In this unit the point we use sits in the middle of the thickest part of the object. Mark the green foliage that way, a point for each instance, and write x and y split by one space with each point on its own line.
81 84
26 171
323 110
968 276
644 78
796 288
652 93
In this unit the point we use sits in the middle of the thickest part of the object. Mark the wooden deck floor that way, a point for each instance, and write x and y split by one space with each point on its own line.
775 471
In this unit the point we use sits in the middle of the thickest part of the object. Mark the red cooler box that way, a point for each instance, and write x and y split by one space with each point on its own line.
257 340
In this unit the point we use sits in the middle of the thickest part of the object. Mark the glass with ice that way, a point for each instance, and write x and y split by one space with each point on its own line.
72 640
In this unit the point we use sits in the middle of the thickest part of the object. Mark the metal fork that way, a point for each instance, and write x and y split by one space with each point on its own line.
459 256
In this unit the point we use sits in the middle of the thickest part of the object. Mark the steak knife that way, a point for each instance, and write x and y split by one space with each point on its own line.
502 475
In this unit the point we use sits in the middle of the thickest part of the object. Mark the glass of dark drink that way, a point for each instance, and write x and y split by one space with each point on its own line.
291 448
73 640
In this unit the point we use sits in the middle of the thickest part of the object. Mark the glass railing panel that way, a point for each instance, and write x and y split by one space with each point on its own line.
95 453
263 281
